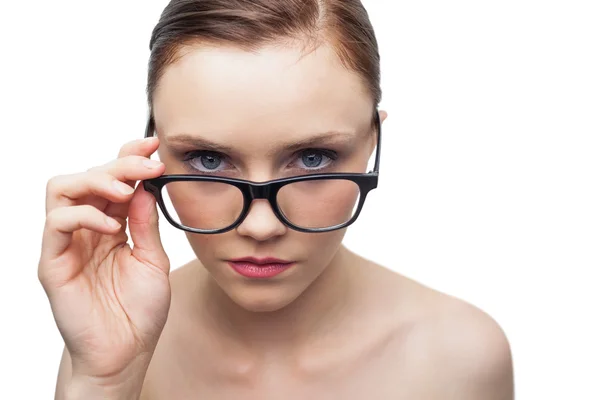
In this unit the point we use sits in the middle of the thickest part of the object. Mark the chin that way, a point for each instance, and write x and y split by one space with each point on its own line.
263 300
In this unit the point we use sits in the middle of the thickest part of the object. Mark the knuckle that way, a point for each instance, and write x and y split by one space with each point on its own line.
53 184
53 218
41 276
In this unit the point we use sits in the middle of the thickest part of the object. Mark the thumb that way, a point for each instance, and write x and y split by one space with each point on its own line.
143 227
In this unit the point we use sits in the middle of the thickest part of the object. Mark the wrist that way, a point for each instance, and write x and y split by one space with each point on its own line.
91 388
124 385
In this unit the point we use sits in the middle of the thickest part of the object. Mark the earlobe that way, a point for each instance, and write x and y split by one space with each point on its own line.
382 115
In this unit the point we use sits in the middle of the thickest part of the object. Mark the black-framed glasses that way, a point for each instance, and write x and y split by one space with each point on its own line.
307 203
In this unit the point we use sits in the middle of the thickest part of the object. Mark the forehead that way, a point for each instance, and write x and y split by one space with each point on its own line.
275 89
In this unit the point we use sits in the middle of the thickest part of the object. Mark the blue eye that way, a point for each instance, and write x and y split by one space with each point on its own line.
315 159
312 159
209 162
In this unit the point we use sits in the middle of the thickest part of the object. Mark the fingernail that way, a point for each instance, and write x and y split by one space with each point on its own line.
152 163
150 139
122 187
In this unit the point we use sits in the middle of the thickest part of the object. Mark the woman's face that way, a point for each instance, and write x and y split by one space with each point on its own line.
226 112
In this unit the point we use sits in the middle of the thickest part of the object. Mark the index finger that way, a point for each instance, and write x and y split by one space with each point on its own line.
141 147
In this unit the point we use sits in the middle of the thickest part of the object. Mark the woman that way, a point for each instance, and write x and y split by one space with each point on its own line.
264 115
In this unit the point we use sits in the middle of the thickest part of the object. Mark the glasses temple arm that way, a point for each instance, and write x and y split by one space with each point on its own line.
378 151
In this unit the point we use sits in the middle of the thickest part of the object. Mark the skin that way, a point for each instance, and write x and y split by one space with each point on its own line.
335 324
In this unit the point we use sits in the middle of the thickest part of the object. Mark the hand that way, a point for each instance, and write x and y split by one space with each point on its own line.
110 302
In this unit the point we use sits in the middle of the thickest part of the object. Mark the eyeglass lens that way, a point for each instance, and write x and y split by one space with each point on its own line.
309 204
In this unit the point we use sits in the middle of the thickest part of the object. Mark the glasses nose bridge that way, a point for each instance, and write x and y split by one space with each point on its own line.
260 191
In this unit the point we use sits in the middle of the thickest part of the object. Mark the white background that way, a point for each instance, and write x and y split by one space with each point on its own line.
490 165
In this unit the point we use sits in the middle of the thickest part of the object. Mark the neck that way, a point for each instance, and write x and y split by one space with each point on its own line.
316 311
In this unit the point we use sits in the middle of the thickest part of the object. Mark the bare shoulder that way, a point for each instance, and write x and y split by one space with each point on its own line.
458 349
472 350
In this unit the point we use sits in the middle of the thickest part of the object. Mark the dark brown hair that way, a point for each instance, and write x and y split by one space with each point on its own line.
249 24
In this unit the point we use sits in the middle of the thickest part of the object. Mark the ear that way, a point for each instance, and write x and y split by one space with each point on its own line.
382 115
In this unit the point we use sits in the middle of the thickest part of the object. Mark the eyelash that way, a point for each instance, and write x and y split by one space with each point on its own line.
192 155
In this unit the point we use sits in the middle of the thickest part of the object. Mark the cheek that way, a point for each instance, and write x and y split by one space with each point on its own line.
319 248
204 246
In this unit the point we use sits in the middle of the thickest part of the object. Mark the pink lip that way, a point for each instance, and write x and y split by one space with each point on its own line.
252 267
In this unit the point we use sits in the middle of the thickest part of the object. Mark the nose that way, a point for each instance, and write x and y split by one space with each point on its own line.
261 223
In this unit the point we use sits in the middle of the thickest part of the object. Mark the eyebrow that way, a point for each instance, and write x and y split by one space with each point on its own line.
322 139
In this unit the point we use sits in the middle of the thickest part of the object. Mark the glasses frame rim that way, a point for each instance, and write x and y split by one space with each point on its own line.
266 190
